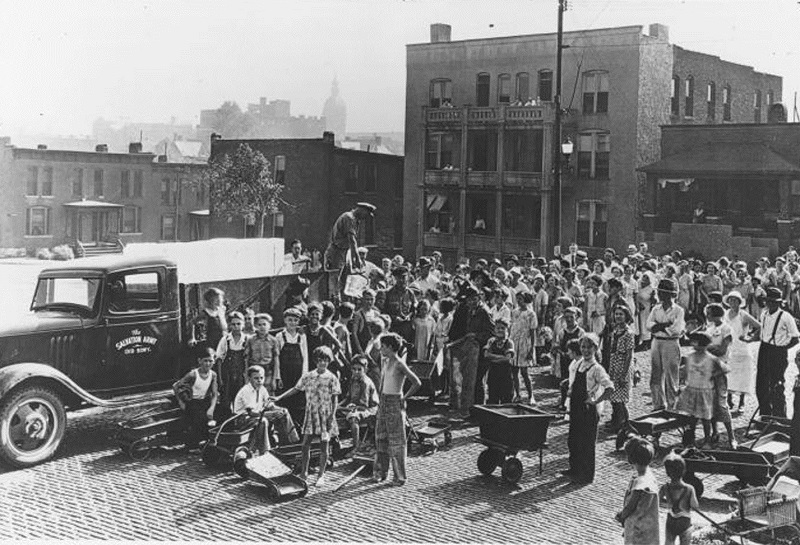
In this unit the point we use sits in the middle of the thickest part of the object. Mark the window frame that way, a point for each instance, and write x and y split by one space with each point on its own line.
137 220
280 169
483 89
757 106
599 97
711 100
99 178
138 272
445 91
125 184
517 86
727 99
371 178
688 97
594 152
675 97
550 90
164 219
32 182
48 224
504 99
46 185
77 183
351 179
592 221
138 184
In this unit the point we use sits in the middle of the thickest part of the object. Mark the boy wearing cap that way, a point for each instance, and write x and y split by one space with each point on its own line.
666 324
399 303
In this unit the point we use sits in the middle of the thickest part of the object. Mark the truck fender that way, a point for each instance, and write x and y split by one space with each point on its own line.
13 375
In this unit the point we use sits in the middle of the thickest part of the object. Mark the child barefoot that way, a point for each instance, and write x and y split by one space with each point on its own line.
322 393
697 398
197 394
680 498
523 335
361 403
639 516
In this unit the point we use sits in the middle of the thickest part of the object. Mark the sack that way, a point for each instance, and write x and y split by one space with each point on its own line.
355 284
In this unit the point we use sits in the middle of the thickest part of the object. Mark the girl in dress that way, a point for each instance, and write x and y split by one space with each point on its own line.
710 282
743 327
620 366
523 335
639 516
697 398
595 305
720 333
321 389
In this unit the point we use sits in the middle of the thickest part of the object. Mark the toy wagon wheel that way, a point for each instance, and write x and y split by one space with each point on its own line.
512 470
656 441
138 450
240 457
210 455
273 494
448 438
487 462
699 488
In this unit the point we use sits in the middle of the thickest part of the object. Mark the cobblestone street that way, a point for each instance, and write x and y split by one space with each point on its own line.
93 491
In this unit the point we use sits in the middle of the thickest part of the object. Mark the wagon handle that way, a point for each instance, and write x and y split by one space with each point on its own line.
717 526
222 426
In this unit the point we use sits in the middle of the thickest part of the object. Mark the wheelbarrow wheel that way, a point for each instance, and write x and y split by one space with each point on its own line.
622 438
448 438
138 450
692 479
273 494
488 461
512 470
211 455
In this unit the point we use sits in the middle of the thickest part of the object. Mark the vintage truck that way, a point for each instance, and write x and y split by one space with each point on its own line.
107 332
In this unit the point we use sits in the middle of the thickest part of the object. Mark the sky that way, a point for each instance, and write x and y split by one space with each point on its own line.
151 61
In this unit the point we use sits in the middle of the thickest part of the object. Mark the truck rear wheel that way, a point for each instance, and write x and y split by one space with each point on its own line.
32 424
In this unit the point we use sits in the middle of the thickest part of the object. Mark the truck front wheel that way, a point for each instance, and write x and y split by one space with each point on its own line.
32 423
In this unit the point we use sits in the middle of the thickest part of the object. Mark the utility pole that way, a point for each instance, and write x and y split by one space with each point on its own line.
562 7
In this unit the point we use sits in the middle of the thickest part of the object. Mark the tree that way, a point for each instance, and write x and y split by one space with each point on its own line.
231 122
241 185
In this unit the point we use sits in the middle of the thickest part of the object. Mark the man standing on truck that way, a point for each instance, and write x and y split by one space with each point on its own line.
344 237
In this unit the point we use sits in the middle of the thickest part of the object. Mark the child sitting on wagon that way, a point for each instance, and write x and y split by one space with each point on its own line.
252 400
361 404
197 394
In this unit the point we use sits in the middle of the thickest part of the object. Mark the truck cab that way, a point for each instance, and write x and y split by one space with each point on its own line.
107 333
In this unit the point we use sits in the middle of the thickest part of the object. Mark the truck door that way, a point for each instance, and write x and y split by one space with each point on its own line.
142 337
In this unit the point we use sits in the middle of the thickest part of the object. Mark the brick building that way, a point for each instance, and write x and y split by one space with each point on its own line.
98 199
322 181
745 178
479 125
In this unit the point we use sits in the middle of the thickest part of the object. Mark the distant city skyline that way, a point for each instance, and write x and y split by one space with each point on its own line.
151 62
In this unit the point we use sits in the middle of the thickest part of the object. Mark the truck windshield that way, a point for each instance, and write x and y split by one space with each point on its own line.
66 293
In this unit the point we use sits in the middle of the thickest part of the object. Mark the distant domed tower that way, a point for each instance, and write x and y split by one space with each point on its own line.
335 112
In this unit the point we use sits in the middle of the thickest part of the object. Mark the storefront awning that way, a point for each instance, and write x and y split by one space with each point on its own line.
205 213
436 202
723 158
92 205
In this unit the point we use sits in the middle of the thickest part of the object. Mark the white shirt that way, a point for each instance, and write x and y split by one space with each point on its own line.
226 340
597 380
250 398
674 315
787 328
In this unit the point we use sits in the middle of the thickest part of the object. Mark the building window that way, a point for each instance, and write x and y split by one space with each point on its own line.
770 97
675 96
522 90
592 219
757 107
504 88
521 216
439 216
77 183
38 221
441 151
482 89
796 197
280 169
167 228
688 95
545 85
200 194
98 183
32 187
726 103
441 93
125 184
277 224
481 214
47 182
371 178
523 150
594 149
169 192
351 182
595 92
711 100
131 221
482 146
137 184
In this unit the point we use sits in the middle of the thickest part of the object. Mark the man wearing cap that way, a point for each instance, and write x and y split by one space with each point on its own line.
778 334
666 323
399 302
425 279
344 236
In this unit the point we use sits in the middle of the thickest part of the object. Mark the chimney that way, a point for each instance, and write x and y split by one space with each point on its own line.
657 30
162 159
101 148
41 146
328 137
215 136
135 147
440 33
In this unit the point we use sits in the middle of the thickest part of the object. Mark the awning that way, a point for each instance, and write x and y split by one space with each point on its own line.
200 213
87 205
436 202
723 158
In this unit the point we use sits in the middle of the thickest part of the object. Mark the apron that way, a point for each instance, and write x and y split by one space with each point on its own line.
582 429
292 370
232 372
